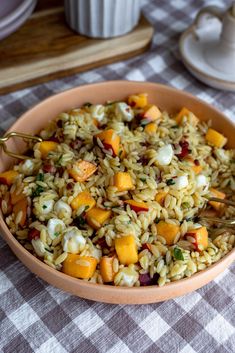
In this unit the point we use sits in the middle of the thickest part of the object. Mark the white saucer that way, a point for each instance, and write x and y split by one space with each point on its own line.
192 52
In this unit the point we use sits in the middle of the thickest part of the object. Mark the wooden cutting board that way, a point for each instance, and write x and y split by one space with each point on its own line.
44 48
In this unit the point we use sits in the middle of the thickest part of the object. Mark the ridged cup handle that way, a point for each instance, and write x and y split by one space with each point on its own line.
205 25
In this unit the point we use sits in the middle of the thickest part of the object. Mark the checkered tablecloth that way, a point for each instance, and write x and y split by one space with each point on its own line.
36 317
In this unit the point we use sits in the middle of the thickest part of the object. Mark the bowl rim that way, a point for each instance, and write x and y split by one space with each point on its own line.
104 288
17 12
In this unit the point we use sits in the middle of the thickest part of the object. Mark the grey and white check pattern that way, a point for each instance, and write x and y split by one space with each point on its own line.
36 317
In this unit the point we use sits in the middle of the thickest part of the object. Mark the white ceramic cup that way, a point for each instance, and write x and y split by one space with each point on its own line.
102 18
219 54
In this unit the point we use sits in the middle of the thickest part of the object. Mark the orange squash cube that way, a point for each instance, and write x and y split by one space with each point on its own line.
168 231
216 193
21 207
126 250
123 181
47 146
160 197
201 238
16 196
137 206
184 112
110 140
215 138
96 217
82 171
8 177
84 198
138 100
106 269
79 266
150 128
151 113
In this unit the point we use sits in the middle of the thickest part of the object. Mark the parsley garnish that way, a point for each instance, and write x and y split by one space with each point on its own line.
143 180
170 182
58 162
40 177
44 207
144 122
86 207
185 205
56 234
80 221
178 255
175 126
157 220
87 104
39 189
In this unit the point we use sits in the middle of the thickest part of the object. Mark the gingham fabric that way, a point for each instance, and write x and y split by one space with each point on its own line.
36 317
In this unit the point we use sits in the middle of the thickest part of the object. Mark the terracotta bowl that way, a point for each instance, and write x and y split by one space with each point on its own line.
166 98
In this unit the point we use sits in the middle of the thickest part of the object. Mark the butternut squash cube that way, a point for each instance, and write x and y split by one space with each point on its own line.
137 206
201 238
79 266
215 138
168 231
160 197
110 140
96 217
150 128
21 208
47 146
123 181
138 100
106 269
126 250
8 177
16 196
184 112
82 171
84 198
151 113
215 204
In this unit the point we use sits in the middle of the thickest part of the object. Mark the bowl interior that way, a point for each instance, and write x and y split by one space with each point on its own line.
167 99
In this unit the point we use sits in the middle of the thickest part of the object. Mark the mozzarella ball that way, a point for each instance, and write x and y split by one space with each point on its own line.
165 155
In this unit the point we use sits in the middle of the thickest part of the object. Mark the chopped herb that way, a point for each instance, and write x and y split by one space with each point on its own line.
129 222
144 122
49 250
110 103
58 162
143 180
188 219
40 177
157 220
178 255
120 153
80 221
56 234
86 207
44 207
87 104
175 127
39 189
170 182
185 205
